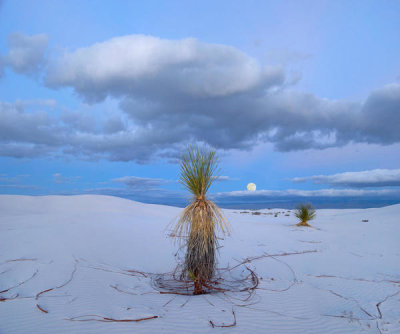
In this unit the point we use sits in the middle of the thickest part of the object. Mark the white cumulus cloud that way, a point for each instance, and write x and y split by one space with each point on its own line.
142 65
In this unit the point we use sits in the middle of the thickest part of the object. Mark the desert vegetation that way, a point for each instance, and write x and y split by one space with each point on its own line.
305 213
201 219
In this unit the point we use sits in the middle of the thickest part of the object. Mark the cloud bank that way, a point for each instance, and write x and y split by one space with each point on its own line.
173 92
321 198
141 183
309 193
369 178
60 179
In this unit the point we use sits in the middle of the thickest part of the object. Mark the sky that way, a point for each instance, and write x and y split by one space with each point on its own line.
301 98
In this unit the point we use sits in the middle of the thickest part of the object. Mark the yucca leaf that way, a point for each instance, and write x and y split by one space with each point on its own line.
198 168
305 212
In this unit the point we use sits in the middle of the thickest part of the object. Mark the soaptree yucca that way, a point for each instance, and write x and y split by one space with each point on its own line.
200 220
304 212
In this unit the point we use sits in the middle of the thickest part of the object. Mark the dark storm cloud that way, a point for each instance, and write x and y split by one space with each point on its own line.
174 92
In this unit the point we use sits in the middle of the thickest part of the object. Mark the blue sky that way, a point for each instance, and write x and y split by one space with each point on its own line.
300 97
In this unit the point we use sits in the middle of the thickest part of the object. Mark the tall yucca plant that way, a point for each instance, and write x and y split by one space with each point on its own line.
201 219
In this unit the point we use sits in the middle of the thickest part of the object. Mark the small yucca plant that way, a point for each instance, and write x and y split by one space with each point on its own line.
305 212
201 219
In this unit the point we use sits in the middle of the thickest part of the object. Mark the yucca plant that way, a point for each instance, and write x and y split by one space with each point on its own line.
200 220
305 212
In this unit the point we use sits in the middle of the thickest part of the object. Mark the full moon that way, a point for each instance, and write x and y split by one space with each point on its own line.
251 187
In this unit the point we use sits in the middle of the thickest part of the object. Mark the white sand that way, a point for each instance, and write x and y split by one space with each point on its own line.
81 246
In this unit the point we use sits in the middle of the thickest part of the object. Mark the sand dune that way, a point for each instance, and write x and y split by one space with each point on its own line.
86 264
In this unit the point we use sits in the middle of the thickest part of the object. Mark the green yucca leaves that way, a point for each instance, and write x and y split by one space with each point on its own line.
305 213
198 168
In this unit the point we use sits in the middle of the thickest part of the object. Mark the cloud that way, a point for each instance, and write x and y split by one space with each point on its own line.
18 186
26 53
141 183
150 67
308 193
369 178
37 133
381 116
37 102
145 190
316 196
175 92
4 178
19 126
22 150
159 196
15 182
286 56
322 198
218 94
58 178
293 121
2 65
223 178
